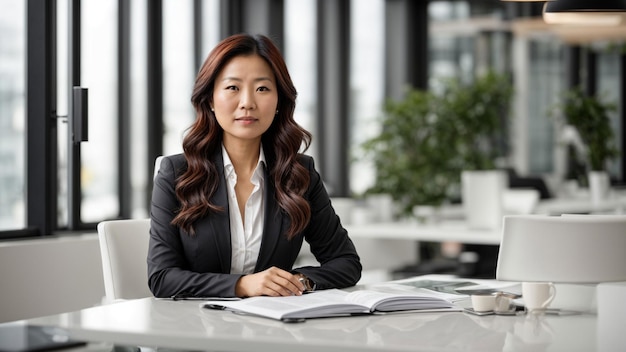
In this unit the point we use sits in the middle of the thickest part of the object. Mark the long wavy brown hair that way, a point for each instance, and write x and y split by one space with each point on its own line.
281 142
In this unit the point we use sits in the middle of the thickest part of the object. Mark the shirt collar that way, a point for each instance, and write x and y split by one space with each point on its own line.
230 169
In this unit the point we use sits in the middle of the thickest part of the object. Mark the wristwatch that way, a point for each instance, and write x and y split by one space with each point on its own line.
309 285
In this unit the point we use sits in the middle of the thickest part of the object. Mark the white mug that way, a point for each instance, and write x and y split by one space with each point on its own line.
538 295
483 303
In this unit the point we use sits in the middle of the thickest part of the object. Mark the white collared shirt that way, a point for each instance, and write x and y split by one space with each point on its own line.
245 234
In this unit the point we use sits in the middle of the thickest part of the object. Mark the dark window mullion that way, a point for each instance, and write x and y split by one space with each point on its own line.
74 195
41 119
197 35
155 87
124 123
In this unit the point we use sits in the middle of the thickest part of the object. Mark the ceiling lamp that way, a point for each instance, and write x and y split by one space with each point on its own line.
585 12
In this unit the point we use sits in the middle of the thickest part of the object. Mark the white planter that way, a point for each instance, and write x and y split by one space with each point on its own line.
599 185
381 206
482 193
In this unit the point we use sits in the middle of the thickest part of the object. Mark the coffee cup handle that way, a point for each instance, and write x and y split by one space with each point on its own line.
551 298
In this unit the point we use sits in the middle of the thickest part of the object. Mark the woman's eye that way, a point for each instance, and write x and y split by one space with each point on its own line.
263 89
231 88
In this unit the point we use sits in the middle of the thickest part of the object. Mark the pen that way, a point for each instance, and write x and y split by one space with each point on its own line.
214 306
187 297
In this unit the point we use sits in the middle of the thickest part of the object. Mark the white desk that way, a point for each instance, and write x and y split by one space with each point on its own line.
184 325
558 206
445 230
453 228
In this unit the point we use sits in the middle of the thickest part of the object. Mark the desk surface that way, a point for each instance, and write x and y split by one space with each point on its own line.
453 228
447 230
184 325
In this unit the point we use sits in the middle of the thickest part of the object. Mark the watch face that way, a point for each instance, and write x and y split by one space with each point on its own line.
308 283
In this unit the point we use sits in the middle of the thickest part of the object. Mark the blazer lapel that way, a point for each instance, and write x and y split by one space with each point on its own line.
272 228
221 223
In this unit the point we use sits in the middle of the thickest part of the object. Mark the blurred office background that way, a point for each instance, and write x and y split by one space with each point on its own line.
138 60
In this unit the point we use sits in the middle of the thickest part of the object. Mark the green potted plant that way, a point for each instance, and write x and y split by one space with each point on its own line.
427 139
408 155
590 116
480 110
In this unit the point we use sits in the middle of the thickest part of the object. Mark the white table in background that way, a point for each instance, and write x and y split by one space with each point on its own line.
445 230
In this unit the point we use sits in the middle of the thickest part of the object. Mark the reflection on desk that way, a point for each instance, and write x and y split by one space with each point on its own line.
184 325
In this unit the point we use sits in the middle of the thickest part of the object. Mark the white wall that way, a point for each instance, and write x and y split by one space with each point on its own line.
49 275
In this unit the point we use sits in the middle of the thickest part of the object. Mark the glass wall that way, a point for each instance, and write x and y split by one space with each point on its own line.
99 73
546 81
609 88
210 26
62 91
465 37
12 114
179 72
138 108
451 52
300 39
367 84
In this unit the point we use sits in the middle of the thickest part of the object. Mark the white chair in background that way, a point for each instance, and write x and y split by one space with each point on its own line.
124 249
157 165
574 252
520 201
569 248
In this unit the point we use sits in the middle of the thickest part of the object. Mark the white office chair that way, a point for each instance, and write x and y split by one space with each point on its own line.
124 249
566 249
157 165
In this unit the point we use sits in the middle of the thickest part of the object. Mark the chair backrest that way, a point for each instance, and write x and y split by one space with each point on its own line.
157 165
124 249
566 249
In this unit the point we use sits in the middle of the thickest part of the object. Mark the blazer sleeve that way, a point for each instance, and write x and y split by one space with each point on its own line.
340 265
171 266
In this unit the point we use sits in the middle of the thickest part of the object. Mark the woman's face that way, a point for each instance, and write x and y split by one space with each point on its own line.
245 98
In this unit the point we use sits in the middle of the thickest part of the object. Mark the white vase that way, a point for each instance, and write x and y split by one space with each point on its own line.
599 185
382 207
482 193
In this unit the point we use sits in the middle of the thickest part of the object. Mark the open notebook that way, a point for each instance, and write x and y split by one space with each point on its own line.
334 302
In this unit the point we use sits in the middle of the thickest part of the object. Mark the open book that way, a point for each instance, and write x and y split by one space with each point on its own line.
333 302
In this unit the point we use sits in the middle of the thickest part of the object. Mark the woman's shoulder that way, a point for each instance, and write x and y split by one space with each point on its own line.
305 160
176 159
176 162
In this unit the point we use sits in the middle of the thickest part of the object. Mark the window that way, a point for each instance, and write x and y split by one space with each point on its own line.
545 83
99 73
366 84
299 54
138 108
179 72
12 114
609 88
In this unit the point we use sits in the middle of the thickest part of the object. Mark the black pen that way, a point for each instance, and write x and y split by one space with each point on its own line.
214 306
187 297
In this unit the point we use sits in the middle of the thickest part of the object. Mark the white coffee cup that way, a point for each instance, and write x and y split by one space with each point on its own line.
538 295
483 303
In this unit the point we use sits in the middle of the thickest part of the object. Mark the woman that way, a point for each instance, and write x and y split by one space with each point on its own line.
229 215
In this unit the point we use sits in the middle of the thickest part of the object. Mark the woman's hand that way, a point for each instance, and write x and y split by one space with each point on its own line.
270 282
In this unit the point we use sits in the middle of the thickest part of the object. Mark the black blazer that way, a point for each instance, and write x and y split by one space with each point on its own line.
199 265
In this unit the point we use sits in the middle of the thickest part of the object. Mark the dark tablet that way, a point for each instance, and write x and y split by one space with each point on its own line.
29 338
